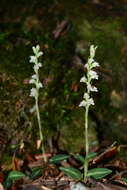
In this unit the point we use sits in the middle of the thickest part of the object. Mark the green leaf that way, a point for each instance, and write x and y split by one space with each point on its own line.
58 158
98 173
72 172
124 179
91 155
36 172
15 175
80 158
7 183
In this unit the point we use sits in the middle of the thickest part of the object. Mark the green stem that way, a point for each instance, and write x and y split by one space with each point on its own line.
86 144
40 129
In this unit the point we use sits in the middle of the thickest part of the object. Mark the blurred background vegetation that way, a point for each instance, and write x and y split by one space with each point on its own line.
64 30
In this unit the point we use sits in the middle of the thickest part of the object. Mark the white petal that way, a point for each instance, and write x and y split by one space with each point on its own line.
92 88
33 92
83 79
89 87
36 67
39 64
39 54
95 64
93 74
34 77
90 101
33 59
86 96
83 103
40 85
32 81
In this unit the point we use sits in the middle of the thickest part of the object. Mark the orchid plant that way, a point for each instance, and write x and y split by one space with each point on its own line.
35 90
87 99
96 173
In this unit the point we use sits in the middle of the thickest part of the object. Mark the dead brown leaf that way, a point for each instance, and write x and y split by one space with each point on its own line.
108 153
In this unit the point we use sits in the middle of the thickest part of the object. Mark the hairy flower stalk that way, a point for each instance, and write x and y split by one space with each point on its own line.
87 100
35 91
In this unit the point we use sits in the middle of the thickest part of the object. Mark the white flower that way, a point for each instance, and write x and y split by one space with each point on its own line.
92 51
39 54
83 79
93 74
32 81
87 102
90 101
86 96
91 64
83 104
37 66
33 59
92 88
95 64
34 76
37 51
33 92
39 85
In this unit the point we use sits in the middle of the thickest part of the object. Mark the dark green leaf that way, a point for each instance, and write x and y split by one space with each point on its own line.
72 172
98 173
15 175
58 158
36 172
80 158
91 155
7 183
